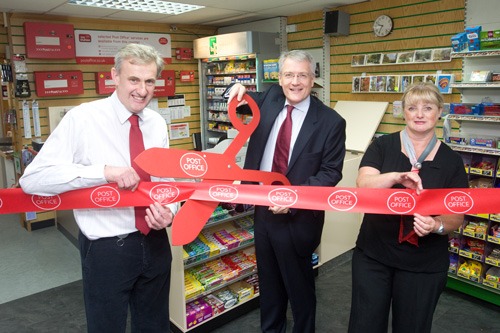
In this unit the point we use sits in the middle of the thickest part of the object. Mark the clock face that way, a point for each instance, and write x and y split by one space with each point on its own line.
382 26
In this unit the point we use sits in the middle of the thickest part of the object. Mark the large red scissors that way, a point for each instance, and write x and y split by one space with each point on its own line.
208 167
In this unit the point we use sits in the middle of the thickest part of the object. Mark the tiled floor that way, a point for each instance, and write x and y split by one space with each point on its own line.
60 308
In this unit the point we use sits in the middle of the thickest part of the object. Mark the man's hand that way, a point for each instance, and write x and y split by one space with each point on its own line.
125 177
158 216
279 210
238 90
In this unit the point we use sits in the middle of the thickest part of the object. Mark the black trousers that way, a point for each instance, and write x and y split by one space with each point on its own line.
284 276
130 272
377 287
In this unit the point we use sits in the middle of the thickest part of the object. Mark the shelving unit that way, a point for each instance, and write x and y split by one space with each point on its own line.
476 243
223 60
219 74
474 92
185 265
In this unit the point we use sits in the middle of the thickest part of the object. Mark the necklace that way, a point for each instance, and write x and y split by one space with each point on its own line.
410 150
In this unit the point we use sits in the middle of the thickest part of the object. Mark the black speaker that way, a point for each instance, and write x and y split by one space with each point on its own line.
337 23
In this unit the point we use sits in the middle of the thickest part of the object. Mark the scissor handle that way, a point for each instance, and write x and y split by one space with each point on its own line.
244 130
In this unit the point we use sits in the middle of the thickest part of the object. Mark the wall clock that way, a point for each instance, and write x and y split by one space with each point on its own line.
382 26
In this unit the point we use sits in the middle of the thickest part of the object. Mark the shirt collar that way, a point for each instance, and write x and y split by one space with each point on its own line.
302 106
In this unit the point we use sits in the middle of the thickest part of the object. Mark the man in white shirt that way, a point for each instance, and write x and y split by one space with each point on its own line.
121 266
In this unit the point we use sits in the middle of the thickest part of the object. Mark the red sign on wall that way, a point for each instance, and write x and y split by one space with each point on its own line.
187 76
49 41
165 84
59 83
104 83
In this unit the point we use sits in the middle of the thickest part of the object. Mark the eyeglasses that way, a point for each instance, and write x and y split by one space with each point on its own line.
300 76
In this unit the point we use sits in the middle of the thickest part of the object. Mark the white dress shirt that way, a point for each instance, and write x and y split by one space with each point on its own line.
298 115
89 137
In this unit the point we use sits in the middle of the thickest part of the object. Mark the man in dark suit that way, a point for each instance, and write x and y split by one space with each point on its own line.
286 238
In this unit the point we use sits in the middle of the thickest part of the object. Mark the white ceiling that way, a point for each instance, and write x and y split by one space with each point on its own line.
216 12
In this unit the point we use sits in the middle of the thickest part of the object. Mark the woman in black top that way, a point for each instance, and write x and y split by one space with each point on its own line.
401 262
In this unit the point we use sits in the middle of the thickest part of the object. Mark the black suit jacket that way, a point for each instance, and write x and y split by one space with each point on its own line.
317 160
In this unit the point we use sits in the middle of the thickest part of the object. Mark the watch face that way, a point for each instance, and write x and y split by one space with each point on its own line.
382 26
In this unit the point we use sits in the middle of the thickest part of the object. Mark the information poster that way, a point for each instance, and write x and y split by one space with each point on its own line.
179 131
100 47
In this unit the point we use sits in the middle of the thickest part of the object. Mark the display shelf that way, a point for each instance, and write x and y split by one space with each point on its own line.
475 241
476 85
475 149
236 249
473 54
221 286
460 117
231 217
218 320
215 81
179 302
474 289
229 73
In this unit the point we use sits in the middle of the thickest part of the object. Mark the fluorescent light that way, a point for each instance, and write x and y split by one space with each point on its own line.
148 6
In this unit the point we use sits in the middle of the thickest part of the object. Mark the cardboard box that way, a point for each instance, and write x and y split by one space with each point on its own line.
271 69
473 38
459 42
490 39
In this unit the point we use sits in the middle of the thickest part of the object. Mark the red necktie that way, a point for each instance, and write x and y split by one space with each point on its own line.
406 232
136 143
282 149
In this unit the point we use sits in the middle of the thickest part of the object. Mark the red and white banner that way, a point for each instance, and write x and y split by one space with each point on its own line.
367 200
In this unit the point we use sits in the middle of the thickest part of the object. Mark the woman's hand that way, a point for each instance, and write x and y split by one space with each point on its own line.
424 225
410 180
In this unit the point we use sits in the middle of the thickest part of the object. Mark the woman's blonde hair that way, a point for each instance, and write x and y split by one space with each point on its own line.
425 91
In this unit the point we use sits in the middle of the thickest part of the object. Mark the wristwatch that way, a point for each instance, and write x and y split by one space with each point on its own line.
440 230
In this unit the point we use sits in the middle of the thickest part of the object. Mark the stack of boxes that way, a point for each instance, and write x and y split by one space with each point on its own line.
475 39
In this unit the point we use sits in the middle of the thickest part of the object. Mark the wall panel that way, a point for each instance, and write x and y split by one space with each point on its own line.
181 37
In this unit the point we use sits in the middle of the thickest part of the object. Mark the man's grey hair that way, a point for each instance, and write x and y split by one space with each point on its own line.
297 55
139 54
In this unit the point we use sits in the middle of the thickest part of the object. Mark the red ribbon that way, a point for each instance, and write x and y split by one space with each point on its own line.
367 200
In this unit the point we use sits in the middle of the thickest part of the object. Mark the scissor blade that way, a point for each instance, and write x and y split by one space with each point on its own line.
190 220
162 162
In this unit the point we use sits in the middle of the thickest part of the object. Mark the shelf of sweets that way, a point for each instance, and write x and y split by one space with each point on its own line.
209 255
216 274
219 237
209 307
484 276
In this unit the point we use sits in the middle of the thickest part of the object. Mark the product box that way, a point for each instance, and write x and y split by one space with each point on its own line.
482 165
216 304
480 76
490 39
489 109
197 312
456 140
459 42
243 290
464 108
481 142
271 69
473 34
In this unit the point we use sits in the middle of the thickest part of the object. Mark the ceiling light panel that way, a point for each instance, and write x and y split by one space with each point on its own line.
148 6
